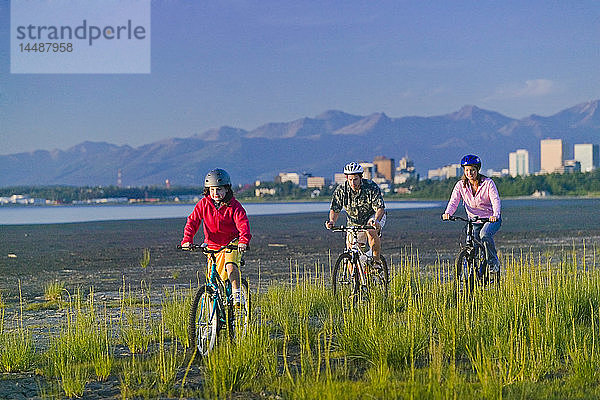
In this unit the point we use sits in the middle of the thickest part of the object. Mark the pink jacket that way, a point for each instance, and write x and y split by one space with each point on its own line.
484 204
221 225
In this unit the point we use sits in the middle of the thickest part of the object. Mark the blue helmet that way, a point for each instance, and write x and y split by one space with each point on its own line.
471 159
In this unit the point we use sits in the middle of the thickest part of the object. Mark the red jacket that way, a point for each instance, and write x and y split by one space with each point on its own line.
221 225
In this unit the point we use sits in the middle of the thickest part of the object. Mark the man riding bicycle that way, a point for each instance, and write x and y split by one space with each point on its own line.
363 202
225 222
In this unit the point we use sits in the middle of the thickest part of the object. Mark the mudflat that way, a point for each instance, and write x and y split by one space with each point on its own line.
103 255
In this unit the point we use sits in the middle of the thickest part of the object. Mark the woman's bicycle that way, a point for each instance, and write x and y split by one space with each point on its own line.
471 264
355 274
213 310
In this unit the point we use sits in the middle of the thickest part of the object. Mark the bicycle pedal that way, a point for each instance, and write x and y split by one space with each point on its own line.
239 310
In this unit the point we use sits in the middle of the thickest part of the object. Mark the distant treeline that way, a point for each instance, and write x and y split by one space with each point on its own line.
575 184
69 194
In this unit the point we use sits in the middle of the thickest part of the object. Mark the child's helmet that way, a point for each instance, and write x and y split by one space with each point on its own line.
217 177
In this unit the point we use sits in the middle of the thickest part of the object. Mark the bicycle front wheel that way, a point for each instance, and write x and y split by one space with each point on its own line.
203 325
344 282
465 269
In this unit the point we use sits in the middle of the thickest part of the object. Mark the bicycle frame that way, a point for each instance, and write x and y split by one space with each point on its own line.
355 269
354 249
212 308
222 290
473 245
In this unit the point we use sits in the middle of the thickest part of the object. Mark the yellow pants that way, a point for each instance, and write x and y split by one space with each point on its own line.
225 257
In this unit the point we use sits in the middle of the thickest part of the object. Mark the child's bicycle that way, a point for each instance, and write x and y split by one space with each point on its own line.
355 275
213 310
471 264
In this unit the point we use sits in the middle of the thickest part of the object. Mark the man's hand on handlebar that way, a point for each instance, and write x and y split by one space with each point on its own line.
186 246
374 223
242 247
445 217
329 224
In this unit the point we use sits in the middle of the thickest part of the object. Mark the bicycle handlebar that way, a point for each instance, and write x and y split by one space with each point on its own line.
204 248
472 220
343 228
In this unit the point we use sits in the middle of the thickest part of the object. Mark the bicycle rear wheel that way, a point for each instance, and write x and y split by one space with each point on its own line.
240 318
203 325
344 279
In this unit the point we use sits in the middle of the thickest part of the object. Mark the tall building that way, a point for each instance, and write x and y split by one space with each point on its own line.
316 182
370 170
571 166
405 163
405 170
518 163
339 178
587 155
446 172
552 155
385 167
294 177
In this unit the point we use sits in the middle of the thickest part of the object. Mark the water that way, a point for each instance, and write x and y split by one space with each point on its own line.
25 215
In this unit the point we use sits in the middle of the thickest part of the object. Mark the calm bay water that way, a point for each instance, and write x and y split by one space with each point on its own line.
25 215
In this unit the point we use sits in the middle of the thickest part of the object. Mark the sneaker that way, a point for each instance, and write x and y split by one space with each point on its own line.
239 309
494 268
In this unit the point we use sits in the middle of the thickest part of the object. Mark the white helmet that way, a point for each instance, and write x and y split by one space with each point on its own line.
353 169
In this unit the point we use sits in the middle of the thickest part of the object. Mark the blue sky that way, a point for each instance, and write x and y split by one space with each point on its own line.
245 63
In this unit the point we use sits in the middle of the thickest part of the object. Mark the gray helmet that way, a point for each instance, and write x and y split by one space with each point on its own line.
217 177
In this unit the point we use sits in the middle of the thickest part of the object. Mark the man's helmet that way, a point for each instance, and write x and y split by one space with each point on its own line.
217 177
471 159
353 169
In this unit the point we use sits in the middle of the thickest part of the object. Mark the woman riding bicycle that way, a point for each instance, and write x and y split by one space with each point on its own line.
225 222
481 199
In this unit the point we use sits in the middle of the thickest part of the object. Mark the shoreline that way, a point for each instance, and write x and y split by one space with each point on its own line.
283 201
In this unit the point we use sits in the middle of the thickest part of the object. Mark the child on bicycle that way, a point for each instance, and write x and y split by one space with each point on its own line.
225 222
481 199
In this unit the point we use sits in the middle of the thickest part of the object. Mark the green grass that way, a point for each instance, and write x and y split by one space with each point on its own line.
17 353
534 335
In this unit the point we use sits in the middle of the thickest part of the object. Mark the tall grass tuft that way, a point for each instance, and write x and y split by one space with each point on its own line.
82 347
167 363
54 291
248 364
135 318
175 311
17 352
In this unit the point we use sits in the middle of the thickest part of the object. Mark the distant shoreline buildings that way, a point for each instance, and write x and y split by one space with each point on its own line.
384 172
554 158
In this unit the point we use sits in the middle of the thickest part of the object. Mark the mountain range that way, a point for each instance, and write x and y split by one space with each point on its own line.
320 145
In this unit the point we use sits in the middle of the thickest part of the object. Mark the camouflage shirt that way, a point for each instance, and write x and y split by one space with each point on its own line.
358 205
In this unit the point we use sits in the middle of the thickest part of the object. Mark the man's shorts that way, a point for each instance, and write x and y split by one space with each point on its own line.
225 257
362 236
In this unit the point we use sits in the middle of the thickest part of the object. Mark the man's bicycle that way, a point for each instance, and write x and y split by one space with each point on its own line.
213 310
355 274
471 264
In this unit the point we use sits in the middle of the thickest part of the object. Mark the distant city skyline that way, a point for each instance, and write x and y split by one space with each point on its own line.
245 64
